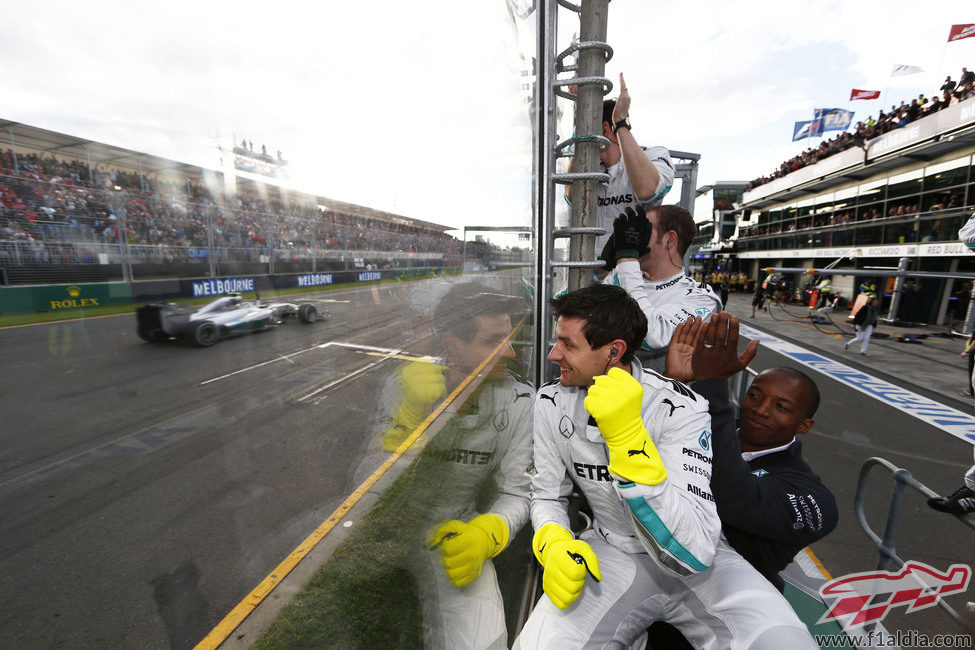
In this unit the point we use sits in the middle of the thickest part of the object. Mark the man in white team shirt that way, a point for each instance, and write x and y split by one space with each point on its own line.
637 175
648 250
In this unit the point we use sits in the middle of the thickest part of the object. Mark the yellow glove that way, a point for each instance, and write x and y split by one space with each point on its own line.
464 547
424 384
615 401
565 561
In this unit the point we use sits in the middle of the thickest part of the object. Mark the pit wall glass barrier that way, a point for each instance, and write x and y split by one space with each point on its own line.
264 473
444 459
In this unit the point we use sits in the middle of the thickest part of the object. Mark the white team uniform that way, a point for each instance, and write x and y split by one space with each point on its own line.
487 445
614 196
659 547
666 304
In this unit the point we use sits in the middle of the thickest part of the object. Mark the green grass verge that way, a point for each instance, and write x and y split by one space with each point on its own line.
366 595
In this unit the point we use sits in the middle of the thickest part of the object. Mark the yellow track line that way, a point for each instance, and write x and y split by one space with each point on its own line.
819 565
250 602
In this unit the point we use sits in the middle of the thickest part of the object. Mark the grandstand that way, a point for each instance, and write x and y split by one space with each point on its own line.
893 197
65 203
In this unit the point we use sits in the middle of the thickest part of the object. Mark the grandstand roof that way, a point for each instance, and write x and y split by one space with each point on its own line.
27 138
34 139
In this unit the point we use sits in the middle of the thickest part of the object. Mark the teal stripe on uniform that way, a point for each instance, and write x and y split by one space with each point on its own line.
660 194
648 517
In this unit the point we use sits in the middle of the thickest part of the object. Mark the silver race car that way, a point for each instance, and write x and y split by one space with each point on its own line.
226 316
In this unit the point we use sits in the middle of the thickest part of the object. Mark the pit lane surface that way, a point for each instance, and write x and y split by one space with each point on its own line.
146 488
852 426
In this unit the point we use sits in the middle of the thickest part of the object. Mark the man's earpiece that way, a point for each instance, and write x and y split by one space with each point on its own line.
613 352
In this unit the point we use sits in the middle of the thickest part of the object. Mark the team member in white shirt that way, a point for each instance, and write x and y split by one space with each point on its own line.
637 175
648 251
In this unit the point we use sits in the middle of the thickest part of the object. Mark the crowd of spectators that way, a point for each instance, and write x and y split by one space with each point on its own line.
906 208
58 206
950 93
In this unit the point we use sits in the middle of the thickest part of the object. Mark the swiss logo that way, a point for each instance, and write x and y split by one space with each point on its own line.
501 420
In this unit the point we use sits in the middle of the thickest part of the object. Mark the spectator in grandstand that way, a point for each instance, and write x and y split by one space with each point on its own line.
948 86
967 77
961 501
469 484
649 250
770 502
657 552
864 321
637 175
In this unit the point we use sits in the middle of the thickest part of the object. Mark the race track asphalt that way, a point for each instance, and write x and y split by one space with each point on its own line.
145 489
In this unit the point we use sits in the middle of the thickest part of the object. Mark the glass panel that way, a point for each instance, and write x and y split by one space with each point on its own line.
868 235
900 233
362 376
905 184
872 191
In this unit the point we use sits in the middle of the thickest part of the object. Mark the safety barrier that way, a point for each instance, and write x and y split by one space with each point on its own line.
67 297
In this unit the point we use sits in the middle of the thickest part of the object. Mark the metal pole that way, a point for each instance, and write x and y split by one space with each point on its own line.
91 174
13 149
211 249
543 162
895 300
588 121
117 199
946 294
142 176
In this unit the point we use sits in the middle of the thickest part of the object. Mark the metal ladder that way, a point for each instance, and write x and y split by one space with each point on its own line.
593 52
587 143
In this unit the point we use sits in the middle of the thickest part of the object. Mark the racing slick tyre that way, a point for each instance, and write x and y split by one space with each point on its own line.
307 313
203 333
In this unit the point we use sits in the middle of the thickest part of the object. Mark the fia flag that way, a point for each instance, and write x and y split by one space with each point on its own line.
959 32
831 119
801 130
864 94
901 70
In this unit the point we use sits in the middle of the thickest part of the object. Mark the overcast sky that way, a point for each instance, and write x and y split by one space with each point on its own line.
420 108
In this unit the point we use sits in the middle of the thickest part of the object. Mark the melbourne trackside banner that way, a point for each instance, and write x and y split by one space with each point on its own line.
222 286
859 599
961 425
864 94
314 279
959 32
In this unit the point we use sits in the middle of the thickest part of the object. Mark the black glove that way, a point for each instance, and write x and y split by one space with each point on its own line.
608 256
631 233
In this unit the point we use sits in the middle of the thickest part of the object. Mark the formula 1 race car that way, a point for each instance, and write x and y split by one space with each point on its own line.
226 316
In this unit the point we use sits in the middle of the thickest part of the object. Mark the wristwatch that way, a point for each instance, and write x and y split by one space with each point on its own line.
624 122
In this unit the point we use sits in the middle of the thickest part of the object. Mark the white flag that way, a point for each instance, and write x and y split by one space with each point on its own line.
901 70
